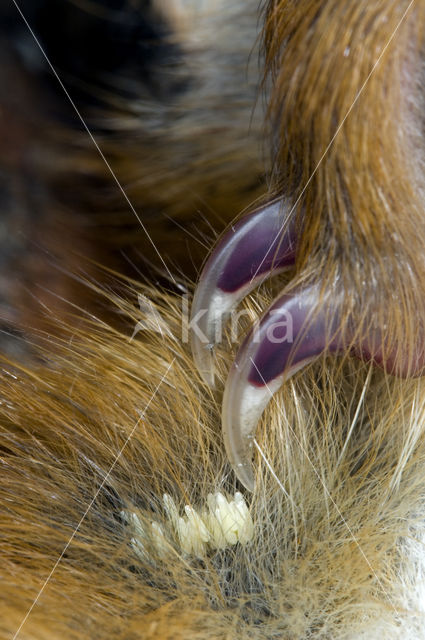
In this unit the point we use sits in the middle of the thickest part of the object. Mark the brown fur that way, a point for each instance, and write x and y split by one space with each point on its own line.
187 148
348 113
115 424
111 424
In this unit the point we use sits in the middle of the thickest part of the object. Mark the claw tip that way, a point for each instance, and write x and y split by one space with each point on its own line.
245 475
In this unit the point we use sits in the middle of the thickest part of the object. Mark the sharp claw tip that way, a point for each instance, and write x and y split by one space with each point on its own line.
245 475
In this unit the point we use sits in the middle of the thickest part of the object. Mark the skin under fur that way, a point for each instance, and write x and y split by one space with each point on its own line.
107 425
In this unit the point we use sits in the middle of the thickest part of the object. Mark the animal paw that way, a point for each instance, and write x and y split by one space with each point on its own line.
303 323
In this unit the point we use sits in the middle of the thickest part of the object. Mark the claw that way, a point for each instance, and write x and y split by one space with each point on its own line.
259 244
293 333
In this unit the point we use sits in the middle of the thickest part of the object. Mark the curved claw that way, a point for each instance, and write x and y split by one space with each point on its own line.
259 244
293 333
296 329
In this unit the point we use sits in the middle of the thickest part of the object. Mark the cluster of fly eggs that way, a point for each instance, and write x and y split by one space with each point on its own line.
222 523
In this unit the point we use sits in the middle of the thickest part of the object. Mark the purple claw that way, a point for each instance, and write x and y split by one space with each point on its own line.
293 332
261 243
296 330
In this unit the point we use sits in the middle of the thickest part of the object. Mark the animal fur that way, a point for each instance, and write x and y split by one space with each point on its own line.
338 544
348 117
171 96
105 425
